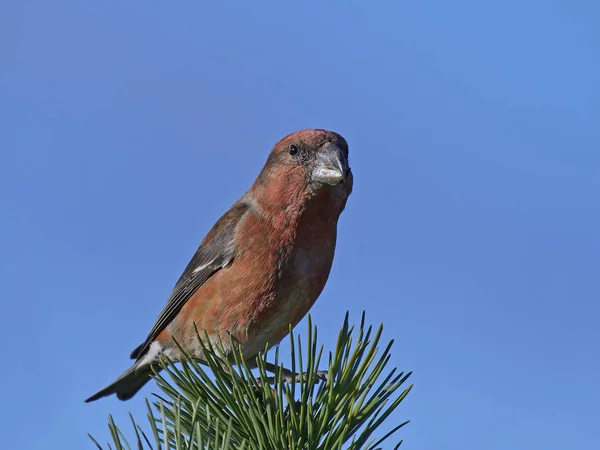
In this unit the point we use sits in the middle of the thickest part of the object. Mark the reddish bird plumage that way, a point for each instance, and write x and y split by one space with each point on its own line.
262 265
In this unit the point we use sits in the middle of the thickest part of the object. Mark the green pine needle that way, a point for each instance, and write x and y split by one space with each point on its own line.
225 408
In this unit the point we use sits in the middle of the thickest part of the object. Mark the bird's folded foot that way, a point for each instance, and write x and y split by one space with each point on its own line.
288 376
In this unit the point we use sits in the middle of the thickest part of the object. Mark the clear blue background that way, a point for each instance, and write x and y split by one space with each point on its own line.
127 128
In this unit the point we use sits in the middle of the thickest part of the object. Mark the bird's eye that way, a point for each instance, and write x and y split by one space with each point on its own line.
293 150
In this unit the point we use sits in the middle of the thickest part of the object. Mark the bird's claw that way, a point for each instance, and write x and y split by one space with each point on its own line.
320 375
288 377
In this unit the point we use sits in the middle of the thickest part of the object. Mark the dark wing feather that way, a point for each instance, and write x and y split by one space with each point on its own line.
215 252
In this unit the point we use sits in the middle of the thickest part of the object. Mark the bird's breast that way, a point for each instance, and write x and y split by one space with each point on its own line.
275 278
304 264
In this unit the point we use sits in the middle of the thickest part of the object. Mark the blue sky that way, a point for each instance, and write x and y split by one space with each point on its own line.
128 128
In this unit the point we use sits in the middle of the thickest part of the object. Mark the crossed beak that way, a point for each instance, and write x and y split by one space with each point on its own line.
331 166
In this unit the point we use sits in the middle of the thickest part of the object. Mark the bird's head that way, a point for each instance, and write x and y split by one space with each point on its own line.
310 161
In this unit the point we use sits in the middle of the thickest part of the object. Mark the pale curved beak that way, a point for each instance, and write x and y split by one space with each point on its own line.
331 166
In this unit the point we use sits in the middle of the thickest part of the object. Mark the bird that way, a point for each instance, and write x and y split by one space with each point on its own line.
261 267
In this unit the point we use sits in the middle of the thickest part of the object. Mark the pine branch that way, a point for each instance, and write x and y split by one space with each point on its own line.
232 409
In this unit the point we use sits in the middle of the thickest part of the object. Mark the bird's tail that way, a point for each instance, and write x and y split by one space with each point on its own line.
127 385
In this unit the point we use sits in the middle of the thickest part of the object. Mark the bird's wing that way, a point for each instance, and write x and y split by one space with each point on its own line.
215 252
